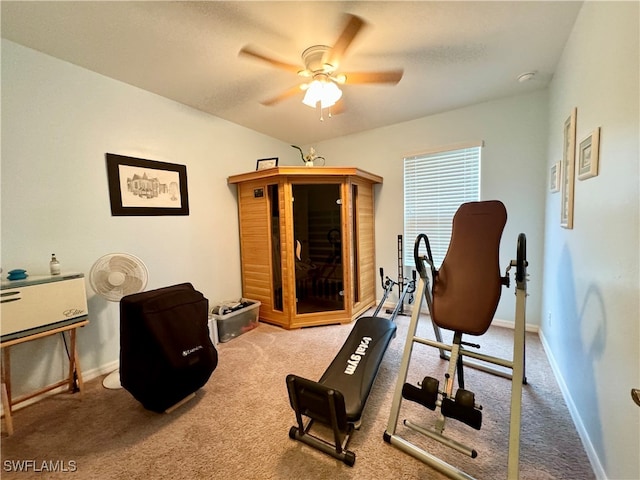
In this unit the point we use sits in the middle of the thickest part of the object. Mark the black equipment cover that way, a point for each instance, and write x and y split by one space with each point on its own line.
165 349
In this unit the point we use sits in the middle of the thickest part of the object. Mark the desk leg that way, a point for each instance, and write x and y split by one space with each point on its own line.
6 390
6 405
74 364
6 371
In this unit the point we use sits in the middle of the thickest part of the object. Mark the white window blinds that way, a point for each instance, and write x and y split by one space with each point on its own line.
435 185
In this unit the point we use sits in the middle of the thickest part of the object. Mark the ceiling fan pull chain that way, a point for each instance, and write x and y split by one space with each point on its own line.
328 113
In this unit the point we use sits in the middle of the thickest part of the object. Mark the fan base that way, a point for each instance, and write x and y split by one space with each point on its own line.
314 58
112 381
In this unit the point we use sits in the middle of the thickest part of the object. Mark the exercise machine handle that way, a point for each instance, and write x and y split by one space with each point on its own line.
521 259
419 260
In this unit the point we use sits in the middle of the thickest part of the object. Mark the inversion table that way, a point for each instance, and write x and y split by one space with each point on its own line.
464 297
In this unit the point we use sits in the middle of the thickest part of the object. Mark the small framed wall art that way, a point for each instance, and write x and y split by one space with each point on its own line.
554 177
265 163
588 155
146 187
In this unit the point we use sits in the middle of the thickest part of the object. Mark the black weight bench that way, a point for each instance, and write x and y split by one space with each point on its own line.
339 397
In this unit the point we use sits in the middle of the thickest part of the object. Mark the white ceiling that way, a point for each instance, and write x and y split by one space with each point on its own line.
453 53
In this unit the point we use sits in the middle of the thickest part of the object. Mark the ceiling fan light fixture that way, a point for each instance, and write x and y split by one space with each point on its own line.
325 92
341 78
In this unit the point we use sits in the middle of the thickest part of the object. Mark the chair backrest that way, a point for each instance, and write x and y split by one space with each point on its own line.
467 289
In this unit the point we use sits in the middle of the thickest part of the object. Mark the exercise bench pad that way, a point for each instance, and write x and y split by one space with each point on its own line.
356 365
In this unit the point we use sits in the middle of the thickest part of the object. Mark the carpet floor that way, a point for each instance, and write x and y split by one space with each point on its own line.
237 425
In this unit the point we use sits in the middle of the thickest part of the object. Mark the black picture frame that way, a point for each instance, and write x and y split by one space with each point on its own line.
264 163
146 187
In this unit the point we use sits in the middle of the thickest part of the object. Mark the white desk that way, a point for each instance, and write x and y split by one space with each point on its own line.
39 307
74 379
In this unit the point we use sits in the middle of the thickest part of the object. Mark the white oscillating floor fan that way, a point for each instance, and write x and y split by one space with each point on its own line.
112 277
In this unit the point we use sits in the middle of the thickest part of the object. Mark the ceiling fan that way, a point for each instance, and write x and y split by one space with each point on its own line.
321 69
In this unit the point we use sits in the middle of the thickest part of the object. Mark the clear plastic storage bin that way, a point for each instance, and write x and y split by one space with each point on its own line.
234 318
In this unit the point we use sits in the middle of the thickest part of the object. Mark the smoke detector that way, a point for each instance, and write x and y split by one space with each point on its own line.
526 76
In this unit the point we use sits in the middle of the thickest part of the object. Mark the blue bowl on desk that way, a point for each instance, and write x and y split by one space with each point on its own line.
17 274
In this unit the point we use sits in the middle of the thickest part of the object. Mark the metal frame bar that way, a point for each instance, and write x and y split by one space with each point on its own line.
337 449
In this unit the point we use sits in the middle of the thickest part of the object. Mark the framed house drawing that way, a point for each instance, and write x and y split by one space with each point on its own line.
146 187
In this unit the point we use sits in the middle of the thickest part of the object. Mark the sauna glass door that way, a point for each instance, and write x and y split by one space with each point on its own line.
317 227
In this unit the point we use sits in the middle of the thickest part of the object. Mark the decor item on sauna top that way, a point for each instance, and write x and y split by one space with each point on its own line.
311 158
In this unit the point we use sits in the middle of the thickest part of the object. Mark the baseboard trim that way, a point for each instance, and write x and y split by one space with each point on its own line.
86 377
573 411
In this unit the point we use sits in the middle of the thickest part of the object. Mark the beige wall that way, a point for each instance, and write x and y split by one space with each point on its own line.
513 170
591 283
58 121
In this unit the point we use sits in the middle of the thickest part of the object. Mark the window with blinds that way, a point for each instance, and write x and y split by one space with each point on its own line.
435 185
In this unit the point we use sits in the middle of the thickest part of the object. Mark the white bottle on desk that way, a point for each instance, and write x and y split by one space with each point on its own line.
54 265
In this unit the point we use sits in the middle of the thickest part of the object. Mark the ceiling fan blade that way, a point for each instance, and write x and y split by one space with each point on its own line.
251 52
391 76
338 108
353 26
293 91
